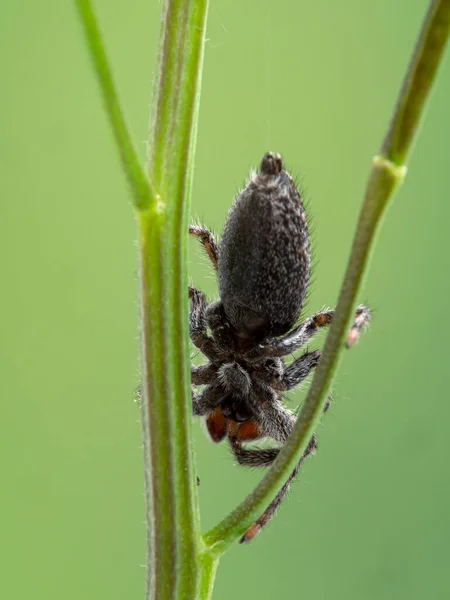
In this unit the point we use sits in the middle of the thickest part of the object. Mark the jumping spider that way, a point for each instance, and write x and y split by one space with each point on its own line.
263 266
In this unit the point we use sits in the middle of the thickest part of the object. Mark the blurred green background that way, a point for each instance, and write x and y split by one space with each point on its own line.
316 81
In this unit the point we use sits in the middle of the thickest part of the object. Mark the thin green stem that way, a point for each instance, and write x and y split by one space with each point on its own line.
384 178
417 83
174 550
179 565
209 563
173 560
143 192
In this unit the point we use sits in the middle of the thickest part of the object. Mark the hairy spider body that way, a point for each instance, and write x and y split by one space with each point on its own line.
263 266
265 259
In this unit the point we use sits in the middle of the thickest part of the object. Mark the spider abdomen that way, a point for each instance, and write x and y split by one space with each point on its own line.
264 260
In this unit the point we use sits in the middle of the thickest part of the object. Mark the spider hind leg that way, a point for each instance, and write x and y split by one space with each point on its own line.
264 458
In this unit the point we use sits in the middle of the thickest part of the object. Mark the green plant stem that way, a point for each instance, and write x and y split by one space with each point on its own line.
387 172
173 556
416 86
174 549
209 564
179 564
143 192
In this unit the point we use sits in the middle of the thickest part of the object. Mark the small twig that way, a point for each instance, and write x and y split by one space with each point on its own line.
144 194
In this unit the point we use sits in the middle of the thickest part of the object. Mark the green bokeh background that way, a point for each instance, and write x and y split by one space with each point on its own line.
316 81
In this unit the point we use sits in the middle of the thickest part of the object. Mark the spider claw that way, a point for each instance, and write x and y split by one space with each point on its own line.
251 533
362 319
353 337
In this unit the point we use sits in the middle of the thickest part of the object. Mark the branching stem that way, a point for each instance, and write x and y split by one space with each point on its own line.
174 550
180 564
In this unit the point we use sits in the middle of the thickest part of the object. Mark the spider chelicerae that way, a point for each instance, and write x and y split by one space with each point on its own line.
263 265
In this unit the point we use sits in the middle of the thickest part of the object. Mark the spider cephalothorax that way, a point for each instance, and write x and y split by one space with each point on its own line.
263 266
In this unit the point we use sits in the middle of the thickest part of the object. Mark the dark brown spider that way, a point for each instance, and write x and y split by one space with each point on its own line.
263 267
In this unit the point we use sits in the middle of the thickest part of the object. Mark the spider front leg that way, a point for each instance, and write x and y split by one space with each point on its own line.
362 319
301 334
208 241
197 325
204 374
208 400
297 371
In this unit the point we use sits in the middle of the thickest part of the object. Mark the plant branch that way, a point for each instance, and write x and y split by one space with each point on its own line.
387 173
176 564
174 550
417 83
209 564
144 194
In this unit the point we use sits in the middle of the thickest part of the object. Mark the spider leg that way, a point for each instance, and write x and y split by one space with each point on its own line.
264 458
298 337
362 319
254 457
273 418
204 374
206 401
298 370
258 457
295 339
208 241
197 325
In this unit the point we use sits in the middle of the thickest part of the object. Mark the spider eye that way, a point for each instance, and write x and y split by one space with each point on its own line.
271 164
